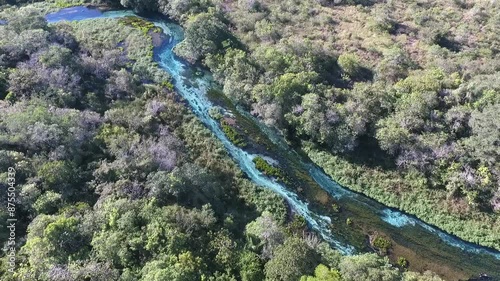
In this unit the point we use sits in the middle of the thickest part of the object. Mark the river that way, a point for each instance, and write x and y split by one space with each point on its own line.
425 246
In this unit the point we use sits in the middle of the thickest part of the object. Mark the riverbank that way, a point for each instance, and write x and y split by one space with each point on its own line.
407 194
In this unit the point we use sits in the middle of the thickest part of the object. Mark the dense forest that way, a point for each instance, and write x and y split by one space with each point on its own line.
118 180
395 99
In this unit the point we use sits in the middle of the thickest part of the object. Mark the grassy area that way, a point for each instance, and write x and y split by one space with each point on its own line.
268 169
66 4
143 25
232 134
382 244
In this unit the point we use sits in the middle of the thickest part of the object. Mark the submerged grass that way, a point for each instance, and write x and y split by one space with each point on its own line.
232 134
143 25
268 169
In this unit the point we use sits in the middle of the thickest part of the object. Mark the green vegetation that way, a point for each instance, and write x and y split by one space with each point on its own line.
349 64
232 134
335 208
394 92
381 243
268 169
322 273
291 260
118 181
403 262
65 3
125 180
114 174
205 34
366 267
139 23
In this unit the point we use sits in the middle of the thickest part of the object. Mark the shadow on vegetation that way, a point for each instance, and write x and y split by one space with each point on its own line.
445 42
369 153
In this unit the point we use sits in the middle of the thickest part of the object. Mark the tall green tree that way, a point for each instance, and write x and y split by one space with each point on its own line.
291 260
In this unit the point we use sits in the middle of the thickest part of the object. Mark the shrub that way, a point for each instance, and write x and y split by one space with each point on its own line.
382 243
349 63
336 208
403 262
291 260
262 165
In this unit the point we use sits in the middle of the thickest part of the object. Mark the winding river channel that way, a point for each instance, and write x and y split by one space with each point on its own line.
425 246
